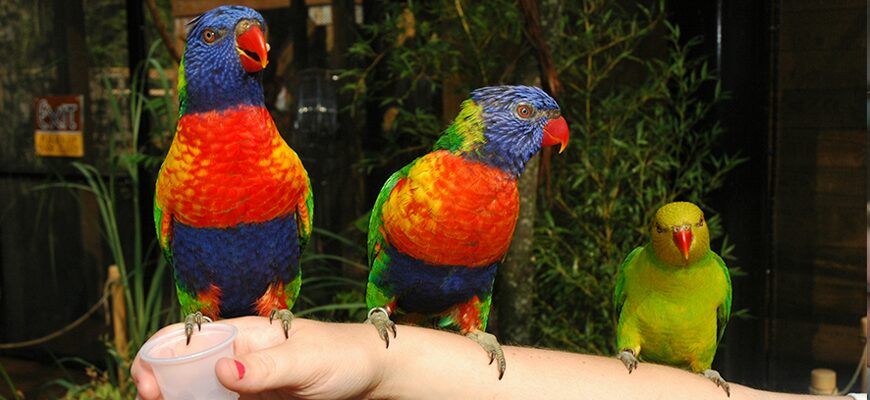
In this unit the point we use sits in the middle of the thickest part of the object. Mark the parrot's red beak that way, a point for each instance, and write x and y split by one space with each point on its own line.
556 131
252 48
683 240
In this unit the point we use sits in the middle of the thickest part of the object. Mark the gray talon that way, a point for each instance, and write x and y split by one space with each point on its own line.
489 343
285 316
627 357
380 318
191 319
717 379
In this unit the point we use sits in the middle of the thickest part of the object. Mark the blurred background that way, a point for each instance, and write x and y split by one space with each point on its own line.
749 108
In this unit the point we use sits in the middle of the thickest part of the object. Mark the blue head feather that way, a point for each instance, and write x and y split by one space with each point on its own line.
511 139
213 75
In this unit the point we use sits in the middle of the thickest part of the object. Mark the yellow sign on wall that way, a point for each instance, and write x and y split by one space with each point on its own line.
59 126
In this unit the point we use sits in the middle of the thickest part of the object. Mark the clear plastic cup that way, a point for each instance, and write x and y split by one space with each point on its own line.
187 371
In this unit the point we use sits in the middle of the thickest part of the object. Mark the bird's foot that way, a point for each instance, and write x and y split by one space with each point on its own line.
490 344
627 357
380 318
196 318
285 316
717 379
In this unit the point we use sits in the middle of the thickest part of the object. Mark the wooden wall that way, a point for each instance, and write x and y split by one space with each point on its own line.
52 263
818 187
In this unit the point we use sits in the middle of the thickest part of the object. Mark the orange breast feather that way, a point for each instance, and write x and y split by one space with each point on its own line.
452 211
230 167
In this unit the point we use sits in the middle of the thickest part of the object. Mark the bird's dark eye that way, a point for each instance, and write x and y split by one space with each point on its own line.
524 111
701 222
209 36
659 229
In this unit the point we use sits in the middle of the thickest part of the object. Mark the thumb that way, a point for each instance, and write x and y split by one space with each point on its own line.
254 372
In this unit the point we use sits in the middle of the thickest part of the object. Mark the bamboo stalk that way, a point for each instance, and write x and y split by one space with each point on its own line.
119 322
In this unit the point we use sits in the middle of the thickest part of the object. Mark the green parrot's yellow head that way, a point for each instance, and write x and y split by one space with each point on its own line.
679 233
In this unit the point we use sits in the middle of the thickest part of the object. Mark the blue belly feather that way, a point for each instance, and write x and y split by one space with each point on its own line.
420 287
242 260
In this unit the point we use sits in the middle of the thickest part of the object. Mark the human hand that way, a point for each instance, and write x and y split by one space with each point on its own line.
318 361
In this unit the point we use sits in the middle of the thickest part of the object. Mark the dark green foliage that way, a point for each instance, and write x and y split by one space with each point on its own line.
643 137
106 27
638 105
420 45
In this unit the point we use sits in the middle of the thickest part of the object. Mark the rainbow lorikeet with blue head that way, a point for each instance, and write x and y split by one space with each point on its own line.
673 296
233 204
442 224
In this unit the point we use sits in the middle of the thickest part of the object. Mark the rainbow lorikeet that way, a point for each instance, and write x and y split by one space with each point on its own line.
673 296
442 224
233 203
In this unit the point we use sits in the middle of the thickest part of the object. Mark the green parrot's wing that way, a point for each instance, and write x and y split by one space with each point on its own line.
376 294
619 294
305 216
163 224
723 313
375 235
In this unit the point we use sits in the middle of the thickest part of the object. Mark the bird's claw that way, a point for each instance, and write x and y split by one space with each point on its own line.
492 347
380 318
627 357
191 319
285 316
717 379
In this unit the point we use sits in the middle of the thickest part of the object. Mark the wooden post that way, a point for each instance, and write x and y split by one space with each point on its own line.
823 381
119 321
866 355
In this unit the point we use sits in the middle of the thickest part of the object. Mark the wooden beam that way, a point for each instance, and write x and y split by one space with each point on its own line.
192 8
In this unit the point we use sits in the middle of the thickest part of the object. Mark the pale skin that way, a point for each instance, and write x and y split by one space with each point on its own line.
348 361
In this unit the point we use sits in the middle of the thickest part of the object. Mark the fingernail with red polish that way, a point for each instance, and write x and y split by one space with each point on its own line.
241 368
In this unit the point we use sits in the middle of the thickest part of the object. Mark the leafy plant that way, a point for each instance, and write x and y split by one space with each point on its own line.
142 270
326 295
644 137
143 295
421 49
9 385
100 387
101 384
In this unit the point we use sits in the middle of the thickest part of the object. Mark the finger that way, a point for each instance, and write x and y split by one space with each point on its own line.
257 372
264 359
143 378
254 334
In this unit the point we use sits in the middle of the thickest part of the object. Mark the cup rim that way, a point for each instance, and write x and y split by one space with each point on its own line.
150 344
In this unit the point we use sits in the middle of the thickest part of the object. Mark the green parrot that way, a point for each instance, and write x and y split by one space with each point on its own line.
673 296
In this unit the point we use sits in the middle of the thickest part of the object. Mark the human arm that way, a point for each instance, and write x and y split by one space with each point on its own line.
333 360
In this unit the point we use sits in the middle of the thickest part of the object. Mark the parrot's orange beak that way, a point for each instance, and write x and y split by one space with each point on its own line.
252 48
556 131
683 240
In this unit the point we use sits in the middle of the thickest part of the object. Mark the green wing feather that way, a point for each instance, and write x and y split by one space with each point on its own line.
618 292
186 297
162 240
305 218
377 295
723 313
